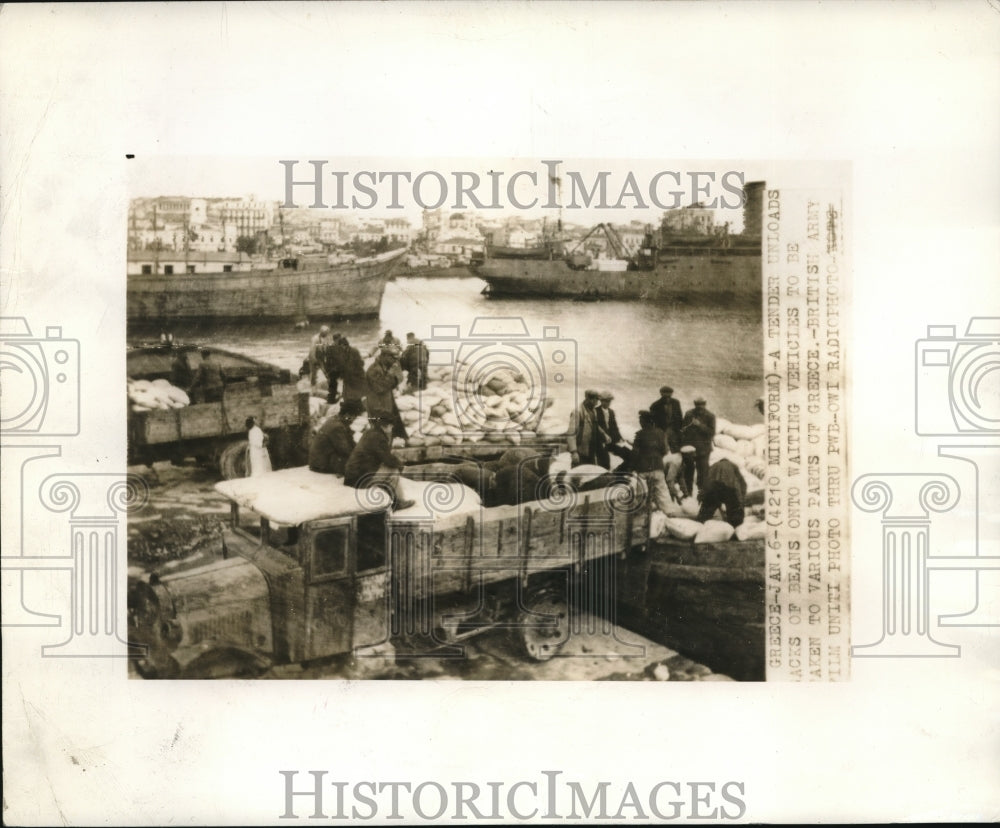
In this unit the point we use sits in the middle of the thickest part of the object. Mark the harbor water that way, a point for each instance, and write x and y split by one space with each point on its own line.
628 348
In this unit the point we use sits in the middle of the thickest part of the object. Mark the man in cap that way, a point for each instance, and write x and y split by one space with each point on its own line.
725 487
333 356
414 361
584 431
352 368
382 378
666 413
388 342
610 435
317 349
372 462
332 445
698 430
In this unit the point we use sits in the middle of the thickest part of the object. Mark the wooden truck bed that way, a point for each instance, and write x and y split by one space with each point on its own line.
222 418
457 553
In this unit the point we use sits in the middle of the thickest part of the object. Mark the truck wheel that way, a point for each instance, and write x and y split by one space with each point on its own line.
233 460
543 628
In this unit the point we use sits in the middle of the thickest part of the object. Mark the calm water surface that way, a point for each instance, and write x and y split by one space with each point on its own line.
629 348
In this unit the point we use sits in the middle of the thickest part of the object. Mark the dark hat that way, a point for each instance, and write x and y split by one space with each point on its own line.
590 392
351 408
700 401
666 389
606 395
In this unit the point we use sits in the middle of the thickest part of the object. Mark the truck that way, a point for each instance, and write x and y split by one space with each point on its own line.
215 432
307 569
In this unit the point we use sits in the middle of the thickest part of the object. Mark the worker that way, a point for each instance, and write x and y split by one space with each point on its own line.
258 458
725 487
388 342
334 442
673 471
666 413
332 357
208 382
584 433
648 450
372 462
382 378
698 430
352 368
181 375
611 437
414 361
320 342
687 469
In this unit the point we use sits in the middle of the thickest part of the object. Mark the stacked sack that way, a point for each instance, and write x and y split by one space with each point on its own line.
457 407
146 395
744 445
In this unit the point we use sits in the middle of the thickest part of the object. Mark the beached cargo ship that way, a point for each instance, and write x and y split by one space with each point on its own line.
288 289
669 264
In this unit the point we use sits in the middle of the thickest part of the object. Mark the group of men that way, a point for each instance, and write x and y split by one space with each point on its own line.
332 354
363 463
670 452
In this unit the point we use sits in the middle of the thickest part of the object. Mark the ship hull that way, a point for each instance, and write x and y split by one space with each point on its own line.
343 291
708 278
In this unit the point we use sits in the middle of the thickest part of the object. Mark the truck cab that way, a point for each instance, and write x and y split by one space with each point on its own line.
309 568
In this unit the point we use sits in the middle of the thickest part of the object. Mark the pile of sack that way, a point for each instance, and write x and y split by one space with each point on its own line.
148 395
457 407
746 447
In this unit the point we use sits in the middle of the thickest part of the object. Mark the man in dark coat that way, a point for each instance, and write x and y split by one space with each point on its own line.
414 361
383 376
607 421
372 462
334 442
332 361
666 413
181 375
698 430
648 450
352 368
208 382
724 486
584 432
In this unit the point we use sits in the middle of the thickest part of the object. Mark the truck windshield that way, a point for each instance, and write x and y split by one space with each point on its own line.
329 553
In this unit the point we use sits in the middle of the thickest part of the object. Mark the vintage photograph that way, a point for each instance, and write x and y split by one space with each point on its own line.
453 421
